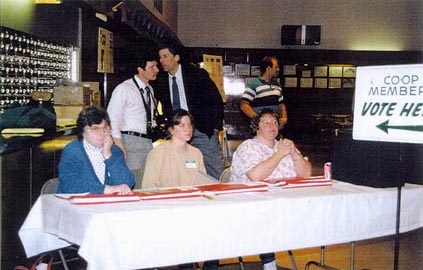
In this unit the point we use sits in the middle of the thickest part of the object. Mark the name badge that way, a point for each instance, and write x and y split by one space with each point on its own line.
190 164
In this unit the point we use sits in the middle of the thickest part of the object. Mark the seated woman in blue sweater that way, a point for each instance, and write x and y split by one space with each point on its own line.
92 162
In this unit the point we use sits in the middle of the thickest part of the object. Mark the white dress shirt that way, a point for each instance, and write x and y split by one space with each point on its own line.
126 108
97 160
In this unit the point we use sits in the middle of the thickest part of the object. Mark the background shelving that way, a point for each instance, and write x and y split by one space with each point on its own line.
29 64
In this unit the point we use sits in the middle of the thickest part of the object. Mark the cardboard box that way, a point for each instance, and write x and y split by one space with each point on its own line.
71 95
84 93
95 92
67 113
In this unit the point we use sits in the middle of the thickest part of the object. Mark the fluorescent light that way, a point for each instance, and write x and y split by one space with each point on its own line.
48 1
75 65
101 16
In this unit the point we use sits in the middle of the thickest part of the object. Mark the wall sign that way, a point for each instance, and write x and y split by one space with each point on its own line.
214 66
105 51
388 103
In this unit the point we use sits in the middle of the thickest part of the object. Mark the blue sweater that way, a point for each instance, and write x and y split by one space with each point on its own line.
77 175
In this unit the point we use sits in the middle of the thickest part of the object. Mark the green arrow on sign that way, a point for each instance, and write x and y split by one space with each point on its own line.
384 127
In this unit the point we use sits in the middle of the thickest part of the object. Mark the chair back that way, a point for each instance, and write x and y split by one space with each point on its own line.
224 176
50 187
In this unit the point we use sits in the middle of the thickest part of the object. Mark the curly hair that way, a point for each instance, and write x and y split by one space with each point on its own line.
256 119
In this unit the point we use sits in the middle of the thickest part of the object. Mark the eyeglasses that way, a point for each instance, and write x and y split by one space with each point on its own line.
269 123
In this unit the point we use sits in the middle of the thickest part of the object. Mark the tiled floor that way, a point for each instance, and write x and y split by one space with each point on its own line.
375 254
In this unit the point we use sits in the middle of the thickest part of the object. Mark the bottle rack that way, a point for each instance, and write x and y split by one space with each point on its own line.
29 64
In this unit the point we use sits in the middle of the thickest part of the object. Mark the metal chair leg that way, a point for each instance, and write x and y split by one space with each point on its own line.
352 258
62 258
292 259
322 255
320 264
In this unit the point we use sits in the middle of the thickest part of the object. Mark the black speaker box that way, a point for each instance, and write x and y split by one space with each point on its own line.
291 35
375 164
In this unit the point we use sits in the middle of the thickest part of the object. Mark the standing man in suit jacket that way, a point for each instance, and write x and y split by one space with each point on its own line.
198 94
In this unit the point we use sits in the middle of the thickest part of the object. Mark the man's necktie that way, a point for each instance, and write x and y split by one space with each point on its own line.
148 92
148 109
175 92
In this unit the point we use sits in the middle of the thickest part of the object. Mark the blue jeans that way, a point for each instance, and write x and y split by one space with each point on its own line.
211 150
267 257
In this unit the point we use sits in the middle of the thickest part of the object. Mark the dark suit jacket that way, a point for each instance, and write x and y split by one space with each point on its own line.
203 98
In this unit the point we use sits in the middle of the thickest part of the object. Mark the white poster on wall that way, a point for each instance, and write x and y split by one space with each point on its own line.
105 51
388 103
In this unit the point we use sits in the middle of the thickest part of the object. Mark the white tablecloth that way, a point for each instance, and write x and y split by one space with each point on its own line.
169 232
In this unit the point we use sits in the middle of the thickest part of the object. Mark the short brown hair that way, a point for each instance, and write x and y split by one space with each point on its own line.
256 119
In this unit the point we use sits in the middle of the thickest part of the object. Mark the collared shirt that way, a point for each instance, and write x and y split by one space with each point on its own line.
259 93
97 160
250 153
126 108
181 88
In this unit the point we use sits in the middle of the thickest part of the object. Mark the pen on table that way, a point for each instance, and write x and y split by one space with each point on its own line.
208 195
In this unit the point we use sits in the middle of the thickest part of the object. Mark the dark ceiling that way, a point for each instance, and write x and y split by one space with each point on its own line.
131 15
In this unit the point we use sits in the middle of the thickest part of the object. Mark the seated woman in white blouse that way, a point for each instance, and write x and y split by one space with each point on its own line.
264 157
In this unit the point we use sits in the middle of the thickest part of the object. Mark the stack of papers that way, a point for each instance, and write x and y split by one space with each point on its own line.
207 191
297 182
227 188
171 193
98 198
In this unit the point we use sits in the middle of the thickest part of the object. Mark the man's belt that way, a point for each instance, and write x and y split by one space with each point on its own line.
134 133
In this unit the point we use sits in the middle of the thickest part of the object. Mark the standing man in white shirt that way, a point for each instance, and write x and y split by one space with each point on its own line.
132 109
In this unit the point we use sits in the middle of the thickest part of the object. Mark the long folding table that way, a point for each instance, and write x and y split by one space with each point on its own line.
165 232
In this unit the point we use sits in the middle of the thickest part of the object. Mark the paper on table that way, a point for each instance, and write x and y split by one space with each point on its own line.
275 182
297 182
168 193
226 188
98 198
208 191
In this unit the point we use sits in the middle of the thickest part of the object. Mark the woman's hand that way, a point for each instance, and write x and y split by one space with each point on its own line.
107 146
118 189
286 147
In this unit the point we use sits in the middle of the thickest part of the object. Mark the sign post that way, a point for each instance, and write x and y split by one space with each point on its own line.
388 106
